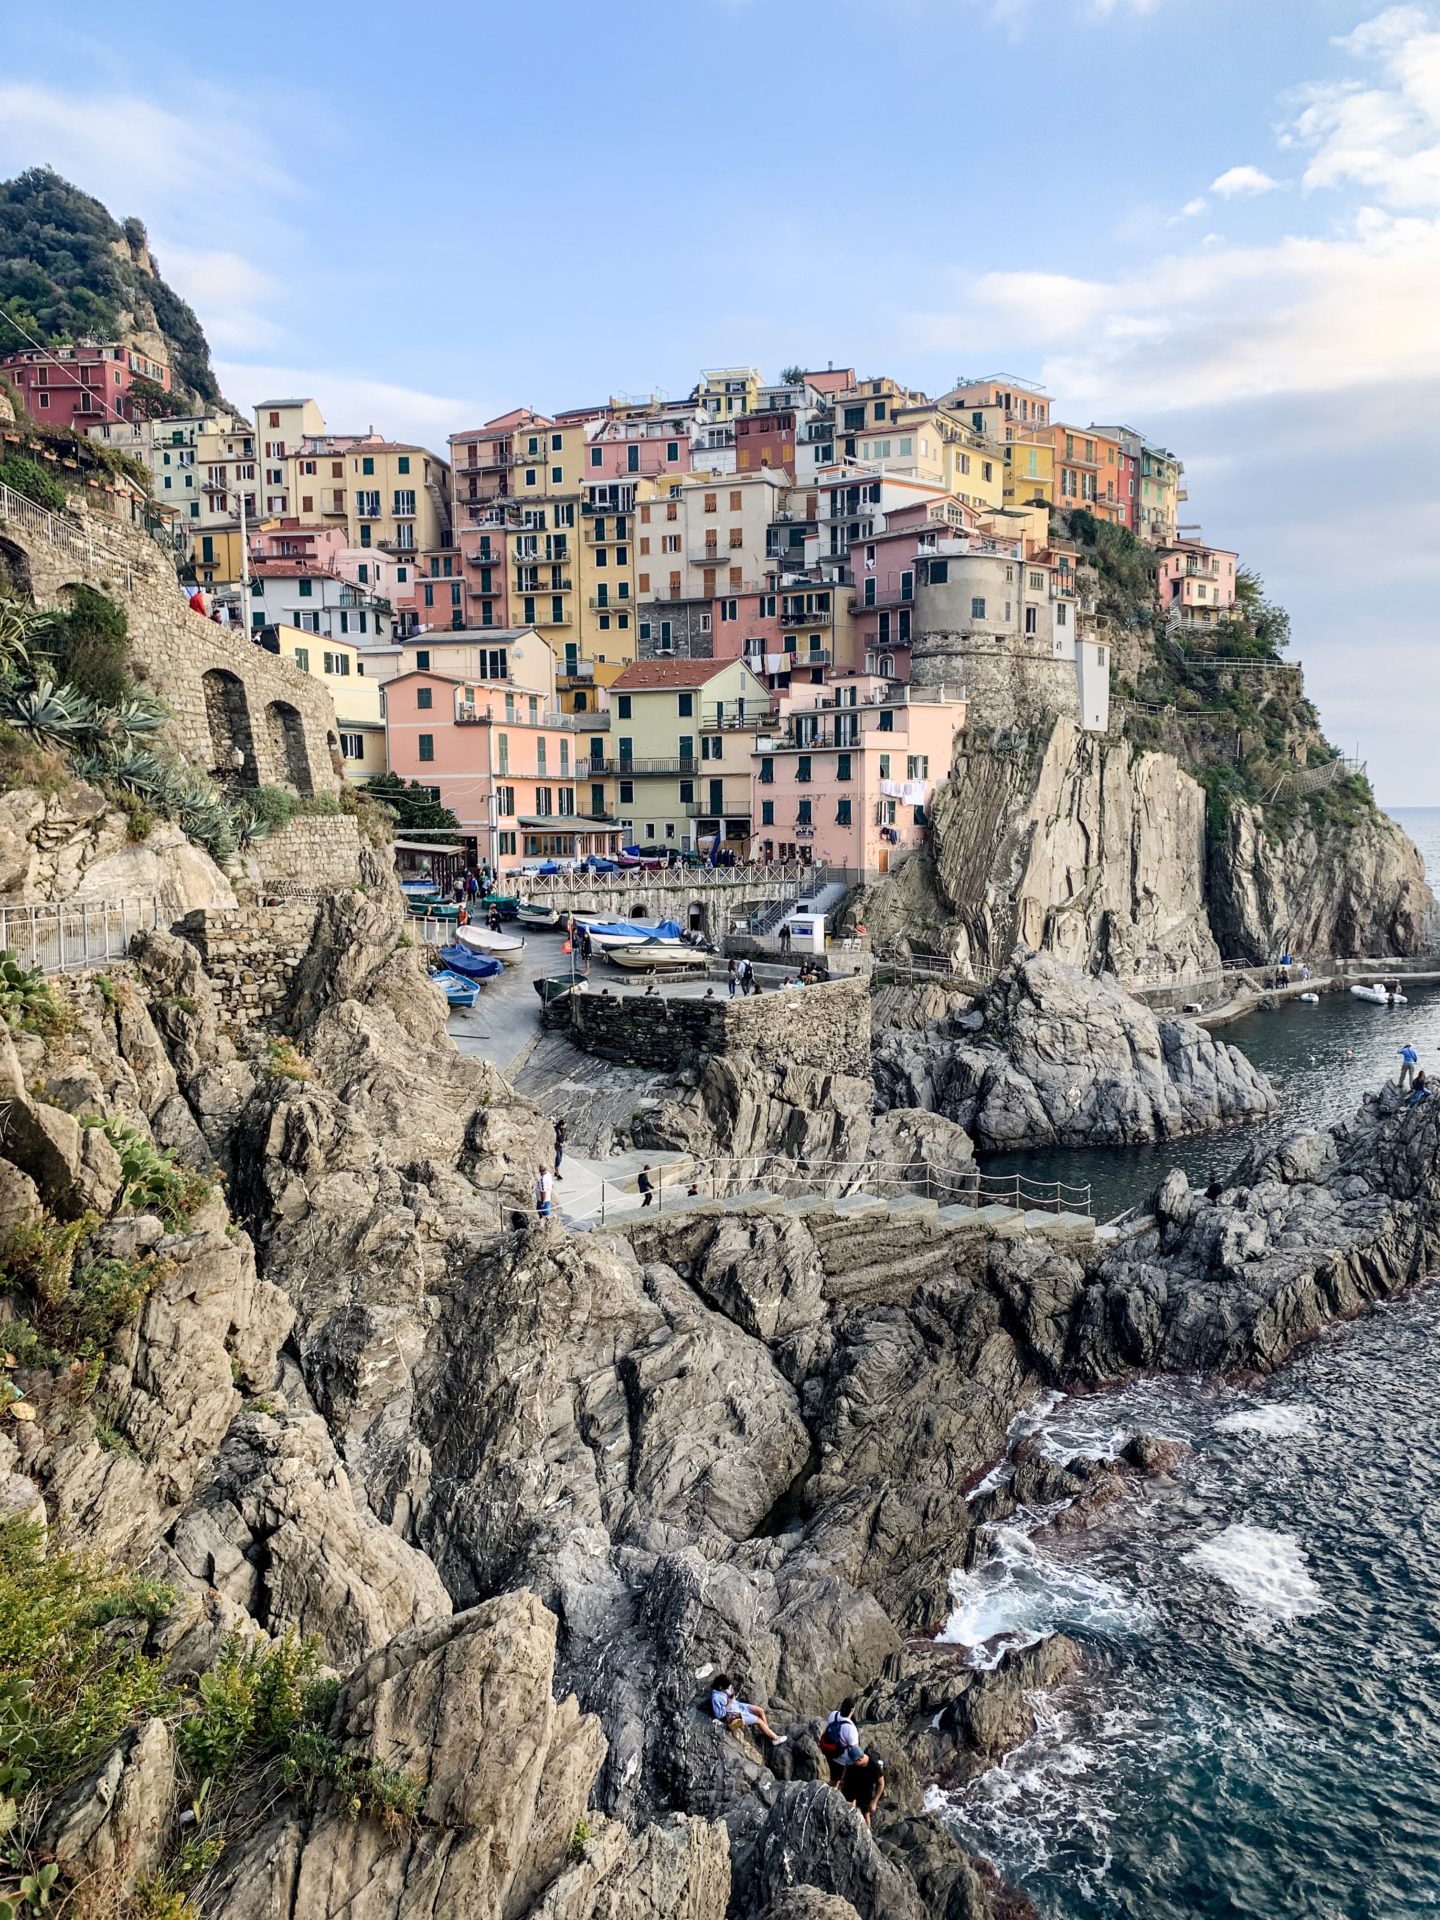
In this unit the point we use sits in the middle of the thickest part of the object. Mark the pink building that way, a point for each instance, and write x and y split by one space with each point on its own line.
846 777
1196 582
81 386
643 448
884 569
524 783
482 462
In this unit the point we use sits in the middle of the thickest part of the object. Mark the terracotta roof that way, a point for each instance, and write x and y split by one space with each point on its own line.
642 675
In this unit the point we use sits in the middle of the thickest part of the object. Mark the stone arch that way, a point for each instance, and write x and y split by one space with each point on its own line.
287 745
697 918
639 910
15 580
232 740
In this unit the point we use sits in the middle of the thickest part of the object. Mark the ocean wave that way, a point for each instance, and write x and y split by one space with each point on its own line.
1267 1569
1020 1596
1271 1423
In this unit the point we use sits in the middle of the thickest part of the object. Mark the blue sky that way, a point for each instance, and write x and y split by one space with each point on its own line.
1215 219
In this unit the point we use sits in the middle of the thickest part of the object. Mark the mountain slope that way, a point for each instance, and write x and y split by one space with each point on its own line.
69 270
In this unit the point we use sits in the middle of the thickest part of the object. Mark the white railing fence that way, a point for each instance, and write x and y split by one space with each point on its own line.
60 937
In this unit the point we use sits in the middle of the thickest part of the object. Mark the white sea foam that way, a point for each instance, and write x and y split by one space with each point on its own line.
1020 1596
1268 1570
1271 1423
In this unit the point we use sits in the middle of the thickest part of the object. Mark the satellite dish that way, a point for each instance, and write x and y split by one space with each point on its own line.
517 653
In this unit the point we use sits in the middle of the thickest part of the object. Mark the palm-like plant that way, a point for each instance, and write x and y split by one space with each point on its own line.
136 718
50 715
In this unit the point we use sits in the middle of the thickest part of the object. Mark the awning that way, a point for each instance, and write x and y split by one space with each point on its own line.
424 846
564 823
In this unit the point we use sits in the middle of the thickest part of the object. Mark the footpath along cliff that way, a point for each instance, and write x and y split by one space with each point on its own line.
298 1367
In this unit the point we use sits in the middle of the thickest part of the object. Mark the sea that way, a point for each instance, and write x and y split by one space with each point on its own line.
1255 1728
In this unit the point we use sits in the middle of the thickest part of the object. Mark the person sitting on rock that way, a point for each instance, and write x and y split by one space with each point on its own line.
737 1714
863 1786
840 1741
1420 1091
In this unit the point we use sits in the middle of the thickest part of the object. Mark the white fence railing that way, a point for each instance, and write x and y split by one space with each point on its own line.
58 937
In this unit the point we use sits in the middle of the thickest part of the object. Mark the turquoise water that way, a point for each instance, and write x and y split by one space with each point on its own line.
1256 1728
1323 1060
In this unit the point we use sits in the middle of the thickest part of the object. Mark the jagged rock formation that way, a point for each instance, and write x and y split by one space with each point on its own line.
1359 889
77 843
1051 1056
1072 843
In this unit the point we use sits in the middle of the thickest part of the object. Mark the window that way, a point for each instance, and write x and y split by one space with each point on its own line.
842 813
886 722
686 745
802 768
544 800
977 607
597 802
424 696
803 813
672 450
1032 619
302 659
502 749
767 771
557 476
427 746
507 843
1062 614
627 793
687 793
842 767
884 766
422 659
623 706
352 746
767 813
541 756
338 664
917 766
505 799
367 465
687 706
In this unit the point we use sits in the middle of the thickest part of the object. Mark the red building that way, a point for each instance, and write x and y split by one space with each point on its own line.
766 439
65 385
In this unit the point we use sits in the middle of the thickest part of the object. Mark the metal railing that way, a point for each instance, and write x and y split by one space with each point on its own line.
821 1180
745 873
61 936
70 537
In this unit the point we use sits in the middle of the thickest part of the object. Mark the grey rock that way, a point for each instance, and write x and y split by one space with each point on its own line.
118 1821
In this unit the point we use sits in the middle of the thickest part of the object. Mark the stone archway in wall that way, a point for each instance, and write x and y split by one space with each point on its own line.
232 740
15 581
287 745
697 918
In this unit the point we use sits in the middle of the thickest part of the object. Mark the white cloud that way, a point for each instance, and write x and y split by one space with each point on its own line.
353 403
1244 181
1191 210
1382 138
229 292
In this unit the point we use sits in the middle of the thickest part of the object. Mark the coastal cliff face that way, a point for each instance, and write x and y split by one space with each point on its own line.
1357 889
1071 843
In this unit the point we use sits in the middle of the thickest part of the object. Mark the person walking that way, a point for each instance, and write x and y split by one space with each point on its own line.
559 1146
732 979
645 1185
785 937
543 1192
1409 1060
585 949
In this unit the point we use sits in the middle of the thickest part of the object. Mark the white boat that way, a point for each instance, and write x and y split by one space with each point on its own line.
1311 999
605 934
503 945
657 956
530 914
1376 993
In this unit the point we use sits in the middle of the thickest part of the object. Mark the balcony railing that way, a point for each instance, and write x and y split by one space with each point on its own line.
537 589
799 617
625 767
609 606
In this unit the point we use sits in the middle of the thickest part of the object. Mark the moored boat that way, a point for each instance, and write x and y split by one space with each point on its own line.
657 956
605 934
474 966
531 914
490 940
458 991
1376 993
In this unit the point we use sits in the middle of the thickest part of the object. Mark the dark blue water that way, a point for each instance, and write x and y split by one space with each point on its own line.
1257 1728
1256 1731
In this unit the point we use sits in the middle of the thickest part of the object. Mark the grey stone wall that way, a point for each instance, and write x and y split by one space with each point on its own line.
826 1028
251 954
230 698
687 641
317 853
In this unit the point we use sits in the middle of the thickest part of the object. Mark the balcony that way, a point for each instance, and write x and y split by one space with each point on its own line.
798 617
716 557
609 606
811 657
718 718
485 559
626 767
537 589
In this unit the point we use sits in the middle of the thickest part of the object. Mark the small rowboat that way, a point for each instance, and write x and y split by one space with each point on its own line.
458 991
657 956
1382 996
503 945
531 914
432 909
419 889
605 934
474 966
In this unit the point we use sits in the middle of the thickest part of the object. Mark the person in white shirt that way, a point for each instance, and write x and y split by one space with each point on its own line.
543 1190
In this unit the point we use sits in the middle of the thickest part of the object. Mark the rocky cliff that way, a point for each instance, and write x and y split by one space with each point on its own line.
1049 1056
1078 844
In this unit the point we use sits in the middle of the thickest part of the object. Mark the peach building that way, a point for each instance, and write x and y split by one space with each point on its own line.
1196 582
847 774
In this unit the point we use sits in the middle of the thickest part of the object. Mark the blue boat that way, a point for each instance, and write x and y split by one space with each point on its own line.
474 966
458 991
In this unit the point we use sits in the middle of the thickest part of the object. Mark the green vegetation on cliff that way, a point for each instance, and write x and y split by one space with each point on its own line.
69 271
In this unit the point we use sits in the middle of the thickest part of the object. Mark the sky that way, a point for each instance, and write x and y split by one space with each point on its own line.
1215 220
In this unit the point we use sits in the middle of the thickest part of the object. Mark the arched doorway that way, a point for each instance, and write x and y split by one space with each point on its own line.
697 919
287 745
15 583
639 911
232 744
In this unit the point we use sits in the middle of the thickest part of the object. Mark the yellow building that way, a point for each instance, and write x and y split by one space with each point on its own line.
725 392
359 718
398 496
216 556
1029 470
682 751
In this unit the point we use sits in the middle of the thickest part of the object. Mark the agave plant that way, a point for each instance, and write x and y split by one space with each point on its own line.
138 716
144 774
53 716
249 825
16 650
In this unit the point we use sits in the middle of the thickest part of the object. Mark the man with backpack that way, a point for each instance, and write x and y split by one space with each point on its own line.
840 1741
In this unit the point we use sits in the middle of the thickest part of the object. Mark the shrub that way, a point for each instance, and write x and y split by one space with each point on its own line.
29 1002
90 642
26 763
71 1312
286 1062
37 483
155 1181
269 807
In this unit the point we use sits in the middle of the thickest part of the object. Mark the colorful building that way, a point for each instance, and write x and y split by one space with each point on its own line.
341 666
73 388
847 774
682 750
1161 484
1196 582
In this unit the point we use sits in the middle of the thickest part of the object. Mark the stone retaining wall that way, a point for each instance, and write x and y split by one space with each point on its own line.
240 712
316 853
251 954
826 1028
